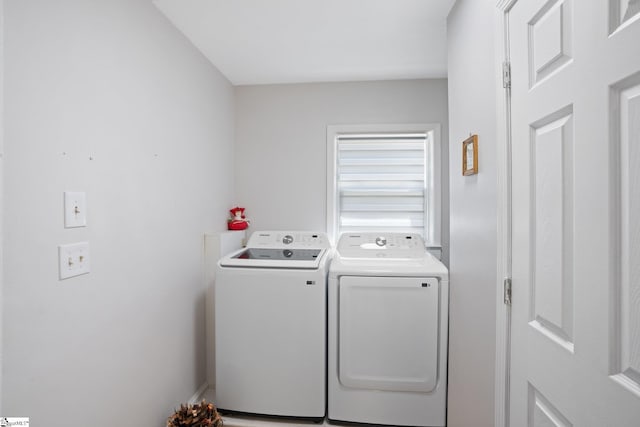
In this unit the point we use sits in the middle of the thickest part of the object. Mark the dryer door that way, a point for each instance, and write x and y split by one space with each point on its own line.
388 333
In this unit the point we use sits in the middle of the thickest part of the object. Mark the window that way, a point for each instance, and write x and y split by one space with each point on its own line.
384 178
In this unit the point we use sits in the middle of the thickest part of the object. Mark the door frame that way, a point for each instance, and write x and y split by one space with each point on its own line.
504 231
1 190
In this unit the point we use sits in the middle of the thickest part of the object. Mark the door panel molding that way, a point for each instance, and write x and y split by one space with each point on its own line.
625 286
622 13
551 282
542 413
550 40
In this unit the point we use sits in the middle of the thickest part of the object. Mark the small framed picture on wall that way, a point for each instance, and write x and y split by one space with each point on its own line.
470 155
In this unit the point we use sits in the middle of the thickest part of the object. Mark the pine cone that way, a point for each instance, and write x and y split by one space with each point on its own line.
199 415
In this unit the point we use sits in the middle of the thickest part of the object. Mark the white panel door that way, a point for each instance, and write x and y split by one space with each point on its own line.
575 354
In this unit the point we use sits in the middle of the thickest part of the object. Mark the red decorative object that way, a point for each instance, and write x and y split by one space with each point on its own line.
237 221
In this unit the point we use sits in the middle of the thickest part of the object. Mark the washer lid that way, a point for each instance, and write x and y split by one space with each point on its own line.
281 249
275 258
381 245
279 254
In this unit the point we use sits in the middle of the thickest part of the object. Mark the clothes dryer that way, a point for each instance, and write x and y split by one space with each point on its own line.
270 325
388 323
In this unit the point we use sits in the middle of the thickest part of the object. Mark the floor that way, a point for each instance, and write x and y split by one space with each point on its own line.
237 421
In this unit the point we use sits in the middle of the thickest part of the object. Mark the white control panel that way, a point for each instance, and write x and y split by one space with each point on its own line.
288 239
381 245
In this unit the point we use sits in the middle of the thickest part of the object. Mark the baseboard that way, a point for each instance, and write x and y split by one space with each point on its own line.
199 394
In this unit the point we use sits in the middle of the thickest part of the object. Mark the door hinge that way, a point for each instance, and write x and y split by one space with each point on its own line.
507 291
506 74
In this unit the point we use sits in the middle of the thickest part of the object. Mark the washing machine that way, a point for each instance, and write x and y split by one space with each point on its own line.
270 325
388 323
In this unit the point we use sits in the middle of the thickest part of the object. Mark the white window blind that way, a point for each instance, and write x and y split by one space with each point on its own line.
382 182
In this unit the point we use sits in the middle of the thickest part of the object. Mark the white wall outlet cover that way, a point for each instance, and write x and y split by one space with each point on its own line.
75 209
73 259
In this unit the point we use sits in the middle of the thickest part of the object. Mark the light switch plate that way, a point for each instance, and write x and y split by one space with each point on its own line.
75 209
73 259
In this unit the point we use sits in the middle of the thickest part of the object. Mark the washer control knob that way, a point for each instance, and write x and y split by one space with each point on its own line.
288 239
381 241
287 253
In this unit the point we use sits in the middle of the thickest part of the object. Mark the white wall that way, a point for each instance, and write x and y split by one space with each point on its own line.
107 97
280 153
473 210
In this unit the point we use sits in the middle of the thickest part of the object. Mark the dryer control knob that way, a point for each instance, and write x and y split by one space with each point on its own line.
287 239
381 241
